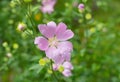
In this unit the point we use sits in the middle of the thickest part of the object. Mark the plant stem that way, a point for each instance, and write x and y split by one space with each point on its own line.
53 71
29 15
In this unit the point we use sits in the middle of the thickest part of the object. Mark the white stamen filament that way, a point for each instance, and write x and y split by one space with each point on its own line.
53 42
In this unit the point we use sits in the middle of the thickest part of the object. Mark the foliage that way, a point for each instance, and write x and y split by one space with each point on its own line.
96 52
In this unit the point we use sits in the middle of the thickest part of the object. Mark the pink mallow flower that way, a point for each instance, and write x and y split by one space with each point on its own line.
67 65
67 69
81 6
67 72
54 42
55 67
48 6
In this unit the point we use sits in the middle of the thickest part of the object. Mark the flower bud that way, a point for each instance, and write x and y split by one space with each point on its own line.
67 73
67 65
9 54
55 67
88 16
5 44
61 68
44 61
81 7
21 27
15 45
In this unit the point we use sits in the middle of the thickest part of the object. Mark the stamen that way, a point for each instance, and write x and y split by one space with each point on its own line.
53 41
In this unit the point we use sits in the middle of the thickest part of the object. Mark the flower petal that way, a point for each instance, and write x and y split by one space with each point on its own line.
65 49
51 24
47 30
55 67
58 59
48 2
66 35
41 42
66 73
65 46
61 28
67 55
51 52
54 54
67 65
47 9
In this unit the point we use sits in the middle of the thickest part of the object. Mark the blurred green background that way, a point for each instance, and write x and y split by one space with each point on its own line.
96 54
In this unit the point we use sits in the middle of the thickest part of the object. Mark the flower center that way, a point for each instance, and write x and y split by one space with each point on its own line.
53 41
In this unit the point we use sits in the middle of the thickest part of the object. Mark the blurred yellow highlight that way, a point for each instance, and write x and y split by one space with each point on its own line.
12 3
5 44
92 30
80 20
15 46
88 16
42 62
27 1
37 17
49 71
7 49
67 4
81 11
61 68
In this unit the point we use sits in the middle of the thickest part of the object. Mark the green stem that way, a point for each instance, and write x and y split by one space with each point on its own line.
53 71
29 14
85 30
31 22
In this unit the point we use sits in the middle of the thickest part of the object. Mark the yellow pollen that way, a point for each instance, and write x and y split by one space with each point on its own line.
53 41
